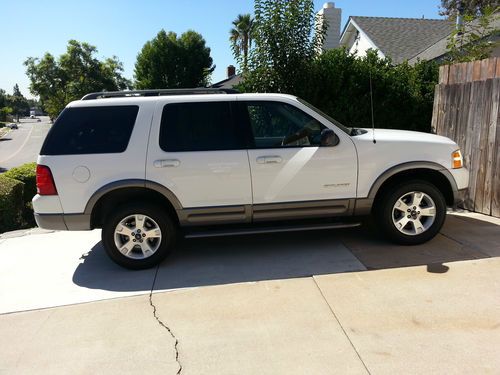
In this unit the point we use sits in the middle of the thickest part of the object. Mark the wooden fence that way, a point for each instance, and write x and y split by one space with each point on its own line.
466 109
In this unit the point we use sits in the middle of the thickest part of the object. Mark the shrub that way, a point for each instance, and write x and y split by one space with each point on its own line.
11 203
338 83
26 174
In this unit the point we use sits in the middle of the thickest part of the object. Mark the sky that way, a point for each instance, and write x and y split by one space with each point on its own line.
29 28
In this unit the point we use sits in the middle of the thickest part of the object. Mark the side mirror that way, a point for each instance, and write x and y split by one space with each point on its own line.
329 138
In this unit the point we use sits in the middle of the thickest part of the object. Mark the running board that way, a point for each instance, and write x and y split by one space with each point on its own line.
244 231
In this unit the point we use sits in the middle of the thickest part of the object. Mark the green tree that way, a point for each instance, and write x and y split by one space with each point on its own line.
450 8
16 91
18 102
241 39
168 61
3 98
287 37
472 40
15 104
338 83
75 73
5 110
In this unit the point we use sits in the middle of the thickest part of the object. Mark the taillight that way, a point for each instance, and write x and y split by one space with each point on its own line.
44 181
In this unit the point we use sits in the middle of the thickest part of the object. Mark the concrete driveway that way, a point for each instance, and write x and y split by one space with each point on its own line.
299 303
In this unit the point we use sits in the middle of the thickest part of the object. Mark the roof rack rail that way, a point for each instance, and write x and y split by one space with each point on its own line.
159 92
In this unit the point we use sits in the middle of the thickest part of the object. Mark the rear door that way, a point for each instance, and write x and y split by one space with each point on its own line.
198 152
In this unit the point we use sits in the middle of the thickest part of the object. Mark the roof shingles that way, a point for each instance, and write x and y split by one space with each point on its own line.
403 38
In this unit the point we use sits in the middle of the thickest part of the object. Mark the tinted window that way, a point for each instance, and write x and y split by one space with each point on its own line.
199 127
91 130
277 124
345 129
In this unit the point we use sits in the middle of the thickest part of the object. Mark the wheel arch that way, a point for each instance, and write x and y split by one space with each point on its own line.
431 172
122 191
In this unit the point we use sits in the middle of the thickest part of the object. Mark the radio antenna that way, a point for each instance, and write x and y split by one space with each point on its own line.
371 103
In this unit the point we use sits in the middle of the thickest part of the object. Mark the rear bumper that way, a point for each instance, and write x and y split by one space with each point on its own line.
63 222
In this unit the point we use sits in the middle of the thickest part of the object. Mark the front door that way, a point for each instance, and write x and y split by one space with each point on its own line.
291 170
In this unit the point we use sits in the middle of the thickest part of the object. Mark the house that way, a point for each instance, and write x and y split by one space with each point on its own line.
401 39
232 79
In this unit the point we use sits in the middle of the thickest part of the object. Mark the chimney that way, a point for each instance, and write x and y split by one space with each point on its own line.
231 71
332 16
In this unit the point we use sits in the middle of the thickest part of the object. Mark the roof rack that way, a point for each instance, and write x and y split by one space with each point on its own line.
159 92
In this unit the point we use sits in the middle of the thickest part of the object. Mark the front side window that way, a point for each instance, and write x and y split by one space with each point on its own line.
276 124
204 126
91 130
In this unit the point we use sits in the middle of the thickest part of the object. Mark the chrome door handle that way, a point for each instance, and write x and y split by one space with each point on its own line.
273 159
165 163
261 160
270 159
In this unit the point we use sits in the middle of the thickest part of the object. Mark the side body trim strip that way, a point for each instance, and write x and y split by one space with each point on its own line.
265 212
301 210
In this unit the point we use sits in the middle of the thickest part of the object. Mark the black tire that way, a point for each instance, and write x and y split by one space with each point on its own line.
163 247
385 206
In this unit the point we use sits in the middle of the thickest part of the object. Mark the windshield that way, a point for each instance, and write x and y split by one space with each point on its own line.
345 129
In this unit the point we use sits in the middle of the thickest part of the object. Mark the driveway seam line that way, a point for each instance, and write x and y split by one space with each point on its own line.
162 324
473 247
354 255
340 324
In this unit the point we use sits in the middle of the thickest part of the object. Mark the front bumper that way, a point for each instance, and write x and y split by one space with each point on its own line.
461 177
460 198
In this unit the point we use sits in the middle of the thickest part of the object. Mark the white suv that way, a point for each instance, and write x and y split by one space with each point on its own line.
146 166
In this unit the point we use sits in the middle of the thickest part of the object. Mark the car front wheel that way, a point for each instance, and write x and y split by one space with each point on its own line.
411 213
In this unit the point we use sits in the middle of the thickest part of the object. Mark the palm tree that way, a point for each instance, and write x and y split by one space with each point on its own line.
241 37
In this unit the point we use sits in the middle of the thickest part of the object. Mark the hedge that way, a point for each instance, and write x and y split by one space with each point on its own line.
340 84
11 204
26 174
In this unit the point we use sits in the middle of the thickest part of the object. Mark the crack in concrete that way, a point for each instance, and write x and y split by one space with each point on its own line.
176 344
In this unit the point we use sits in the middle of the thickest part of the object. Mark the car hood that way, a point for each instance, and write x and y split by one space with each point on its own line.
391 135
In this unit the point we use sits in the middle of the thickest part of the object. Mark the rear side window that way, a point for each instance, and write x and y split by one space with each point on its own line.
91 130
206 126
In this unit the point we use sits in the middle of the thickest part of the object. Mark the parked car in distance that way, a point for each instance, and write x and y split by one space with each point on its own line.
13 126
150 166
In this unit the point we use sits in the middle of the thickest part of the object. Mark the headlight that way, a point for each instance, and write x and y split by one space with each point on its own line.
457 161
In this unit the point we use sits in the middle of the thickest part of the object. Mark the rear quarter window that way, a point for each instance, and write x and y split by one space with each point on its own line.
91 130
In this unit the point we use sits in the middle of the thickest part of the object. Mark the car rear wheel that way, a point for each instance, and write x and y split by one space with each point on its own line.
138 236
411 213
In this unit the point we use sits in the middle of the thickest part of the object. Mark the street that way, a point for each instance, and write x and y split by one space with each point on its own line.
22 145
